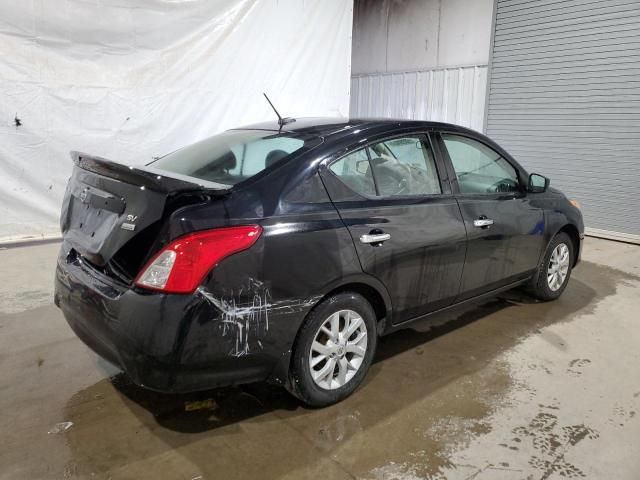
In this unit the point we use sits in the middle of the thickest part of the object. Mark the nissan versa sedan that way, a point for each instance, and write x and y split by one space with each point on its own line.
281 251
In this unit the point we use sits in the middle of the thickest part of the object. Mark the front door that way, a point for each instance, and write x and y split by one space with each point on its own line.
404 221
504 230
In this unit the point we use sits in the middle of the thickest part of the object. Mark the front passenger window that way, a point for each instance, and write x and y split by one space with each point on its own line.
478 168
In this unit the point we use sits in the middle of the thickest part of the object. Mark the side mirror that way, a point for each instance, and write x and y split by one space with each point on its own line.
538 183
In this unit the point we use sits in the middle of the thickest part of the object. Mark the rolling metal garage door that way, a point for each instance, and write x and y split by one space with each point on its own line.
564 99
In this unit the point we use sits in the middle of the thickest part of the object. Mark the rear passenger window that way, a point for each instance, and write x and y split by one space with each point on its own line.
394 167
404 166
354 171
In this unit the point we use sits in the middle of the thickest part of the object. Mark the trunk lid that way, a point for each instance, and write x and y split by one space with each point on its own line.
107 204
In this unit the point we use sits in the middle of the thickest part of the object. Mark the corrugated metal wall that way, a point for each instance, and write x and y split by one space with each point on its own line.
565 101
455 95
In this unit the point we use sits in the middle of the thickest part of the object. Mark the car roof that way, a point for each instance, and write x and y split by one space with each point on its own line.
335 126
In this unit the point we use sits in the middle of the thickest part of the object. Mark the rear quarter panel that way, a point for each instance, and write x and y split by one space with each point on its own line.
252 304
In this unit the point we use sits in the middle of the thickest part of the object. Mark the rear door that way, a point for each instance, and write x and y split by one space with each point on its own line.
396 201
504 230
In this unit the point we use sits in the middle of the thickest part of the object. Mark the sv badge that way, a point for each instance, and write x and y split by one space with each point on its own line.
129 224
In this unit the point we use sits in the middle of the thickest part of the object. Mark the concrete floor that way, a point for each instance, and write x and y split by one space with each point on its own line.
509 390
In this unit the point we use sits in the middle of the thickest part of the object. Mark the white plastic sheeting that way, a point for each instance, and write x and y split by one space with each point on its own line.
133 79
455 95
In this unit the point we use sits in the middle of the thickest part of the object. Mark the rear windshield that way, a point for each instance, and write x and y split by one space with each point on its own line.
235 155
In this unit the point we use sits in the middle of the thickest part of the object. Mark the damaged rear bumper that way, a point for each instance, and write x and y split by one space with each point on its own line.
167 343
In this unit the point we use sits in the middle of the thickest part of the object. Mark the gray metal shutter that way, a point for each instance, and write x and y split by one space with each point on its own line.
564 100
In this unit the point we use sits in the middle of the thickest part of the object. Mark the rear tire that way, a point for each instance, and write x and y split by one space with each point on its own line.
333 350
554 270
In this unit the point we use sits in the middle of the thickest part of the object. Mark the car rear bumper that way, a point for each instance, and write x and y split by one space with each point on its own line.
167 343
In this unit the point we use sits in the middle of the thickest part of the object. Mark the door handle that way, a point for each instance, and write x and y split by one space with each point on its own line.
374 237
482 222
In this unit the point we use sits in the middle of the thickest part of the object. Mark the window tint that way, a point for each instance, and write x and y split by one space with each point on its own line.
404 166
478 168
233 156
354 171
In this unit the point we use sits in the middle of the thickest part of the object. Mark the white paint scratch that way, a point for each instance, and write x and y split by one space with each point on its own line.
249 321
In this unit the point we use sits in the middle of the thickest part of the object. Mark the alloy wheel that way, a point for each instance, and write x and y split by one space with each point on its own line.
558 267
338 349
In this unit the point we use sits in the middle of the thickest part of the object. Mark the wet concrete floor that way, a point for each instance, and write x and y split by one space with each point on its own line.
512 389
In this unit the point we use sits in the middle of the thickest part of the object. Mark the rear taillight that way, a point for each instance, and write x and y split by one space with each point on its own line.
181 265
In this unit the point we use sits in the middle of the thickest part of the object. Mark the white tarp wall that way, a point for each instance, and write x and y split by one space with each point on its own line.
133 79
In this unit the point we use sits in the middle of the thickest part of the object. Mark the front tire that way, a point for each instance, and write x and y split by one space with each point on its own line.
333 350
554 270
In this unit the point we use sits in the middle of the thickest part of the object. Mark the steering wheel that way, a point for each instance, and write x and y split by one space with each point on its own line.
390 181
504 186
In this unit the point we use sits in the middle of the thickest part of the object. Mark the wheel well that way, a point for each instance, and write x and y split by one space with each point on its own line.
575 239
368 292
372 296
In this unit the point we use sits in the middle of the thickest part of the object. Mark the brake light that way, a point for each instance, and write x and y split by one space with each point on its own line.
181 265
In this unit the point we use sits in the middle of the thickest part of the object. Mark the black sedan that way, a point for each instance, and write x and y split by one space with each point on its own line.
281 252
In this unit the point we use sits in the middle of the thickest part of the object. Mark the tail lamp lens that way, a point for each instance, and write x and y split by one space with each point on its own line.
181 266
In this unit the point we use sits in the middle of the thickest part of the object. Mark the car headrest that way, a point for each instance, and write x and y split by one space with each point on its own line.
227 161
274 156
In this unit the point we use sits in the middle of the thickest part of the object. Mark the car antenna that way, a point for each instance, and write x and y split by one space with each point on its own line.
281 121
